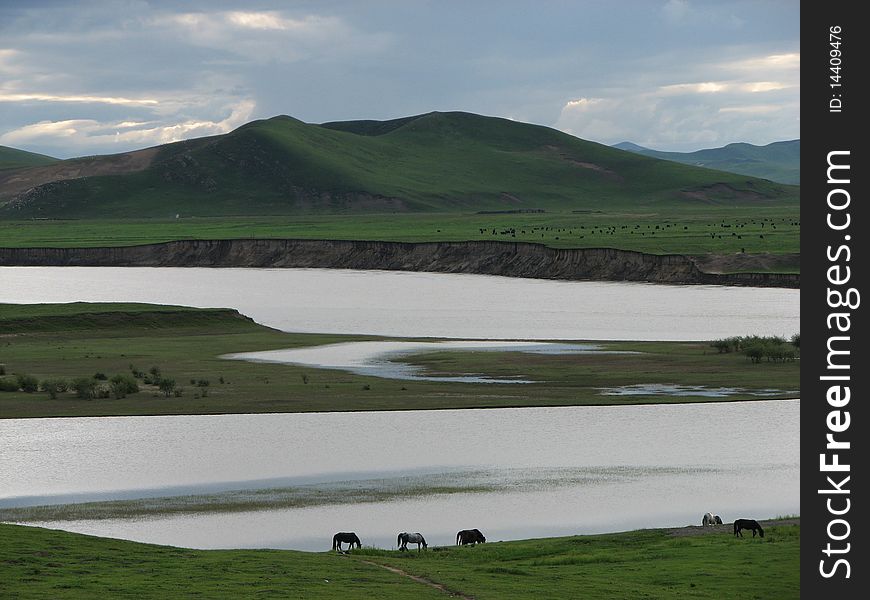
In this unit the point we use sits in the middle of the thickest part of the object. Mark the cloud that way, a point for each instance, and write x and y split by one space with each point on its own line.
7 97
95 136
734 106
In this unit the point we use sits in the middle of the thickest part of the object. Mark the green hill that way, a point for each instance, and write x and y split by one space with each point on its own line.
12 158
435 162
779 161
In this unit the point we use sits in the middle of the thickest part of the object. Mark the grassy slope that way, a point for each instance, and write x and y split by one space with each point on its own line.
187 345
436 162
12 158
42 563
779 161
39 563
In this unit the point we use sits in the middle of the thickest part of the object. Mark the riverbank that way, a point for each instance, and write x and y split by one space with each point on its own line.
83 340
512 259
660 563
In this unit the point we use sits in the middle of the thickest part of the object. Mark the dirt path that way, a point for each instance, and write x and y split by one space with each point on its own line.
418 579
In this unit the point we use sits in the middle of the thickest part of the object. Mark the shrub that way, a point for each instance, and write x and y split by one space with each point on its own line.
54 387
121 385
8 384
84 387
27 383
100 376
2 369
166 385
796 340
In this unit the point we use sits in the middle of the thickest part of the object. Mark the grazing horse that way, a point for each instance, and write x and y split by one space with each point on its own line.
406 538
752 524
718 519
469 536
708 519
347 537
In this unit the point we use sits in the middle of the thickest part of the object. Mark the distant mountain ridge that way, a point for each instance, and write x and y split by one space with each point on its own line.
12 158
435 162
779 161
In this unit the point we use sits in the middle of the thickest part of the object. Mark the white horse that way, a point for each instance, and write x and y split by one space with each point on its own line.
411 538
708 519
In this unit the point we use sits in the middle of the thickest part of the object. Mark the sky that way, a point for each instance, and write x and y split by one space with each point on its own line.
81 78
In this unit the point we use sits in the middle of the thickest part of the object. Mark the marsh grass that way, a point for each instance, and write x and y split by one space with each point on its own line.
69 341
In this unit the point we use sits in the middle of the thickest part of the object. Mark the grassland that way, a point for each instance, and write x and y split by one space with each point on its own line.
772 232
12 158
40 563
81 340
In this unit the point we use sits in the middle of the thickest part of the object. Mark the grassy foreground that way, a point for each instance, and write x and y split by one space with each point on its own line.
40 563
70 341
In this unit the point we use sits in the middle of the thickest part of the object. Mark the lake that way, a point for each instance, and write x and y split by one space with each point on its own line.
513 473
531 472
445 305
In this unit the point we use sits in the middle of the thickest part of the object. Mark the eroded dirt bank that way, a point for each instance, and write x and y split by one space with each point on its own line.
487 258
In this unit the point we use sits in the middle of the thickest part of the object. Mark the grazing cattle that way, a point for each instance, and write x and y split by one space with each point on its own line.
411 538
345 537
469 536
752 524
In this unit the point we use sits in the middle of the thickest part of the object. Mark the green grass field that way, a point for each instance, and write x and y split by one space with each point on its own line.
40 563
695 232
80 340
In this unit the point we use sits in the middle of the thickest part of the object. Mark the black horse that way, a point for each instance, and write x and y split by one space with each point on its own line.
411 538
469 536
345 537
752 524
717 519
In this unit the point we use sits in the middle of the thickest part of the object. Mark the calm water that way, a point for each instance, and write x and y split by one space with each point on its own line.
427 304
560 470
384 358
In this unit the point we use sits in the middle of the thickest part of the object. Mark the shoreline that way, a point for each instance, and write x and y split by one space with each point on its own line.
509 259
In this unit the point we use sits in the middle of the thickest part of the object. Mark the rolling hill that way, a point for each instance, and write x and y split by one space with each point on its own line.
435 162
779 161
12 158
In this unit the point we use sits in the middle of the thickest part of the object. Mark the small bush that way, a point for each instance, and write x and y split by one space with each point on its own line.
84 387
121 385
100 376
27 383
54 387
7 384
2 369
166 385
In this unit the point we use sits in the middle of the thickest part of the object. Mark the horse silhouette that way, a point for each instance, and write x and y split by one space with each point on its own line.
469 536
752 524
406 538
345 537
